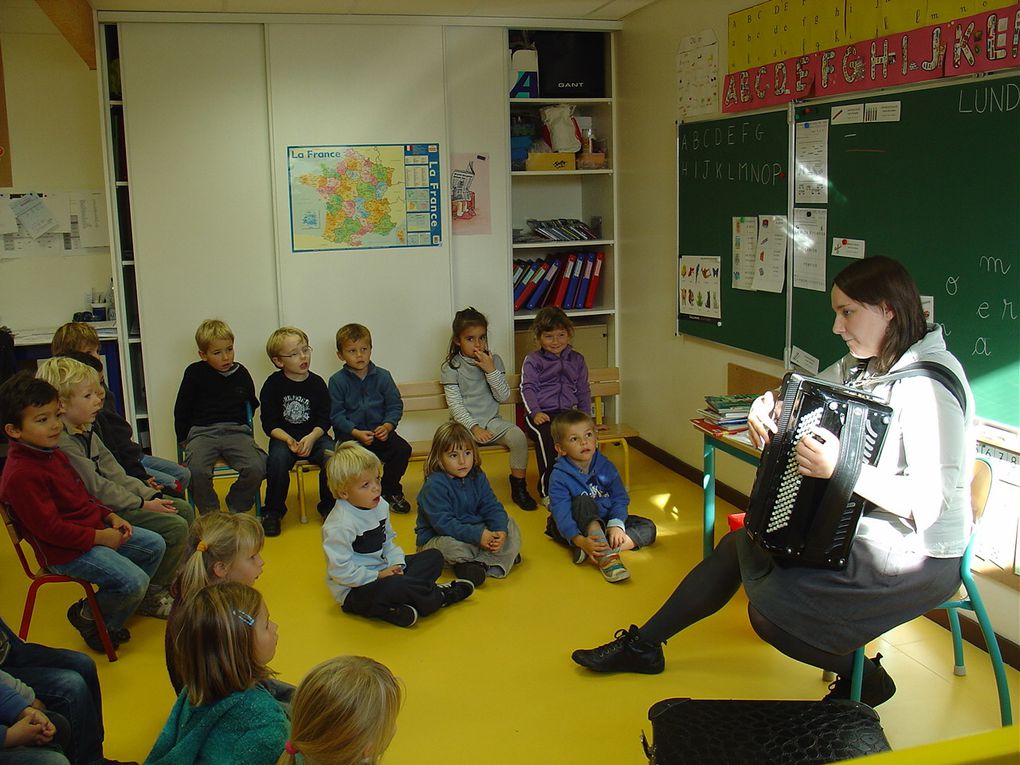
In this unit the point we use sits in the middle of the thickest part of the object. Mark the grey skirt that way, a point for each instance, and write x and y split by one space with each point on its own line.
840 611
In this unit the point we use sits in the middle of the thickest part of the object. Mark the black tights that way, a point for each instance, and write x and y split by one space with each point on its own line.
711 585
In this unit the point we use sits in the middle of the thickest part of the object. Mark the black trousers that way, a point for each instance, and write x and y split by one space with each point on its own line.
415 587
545 450
394 453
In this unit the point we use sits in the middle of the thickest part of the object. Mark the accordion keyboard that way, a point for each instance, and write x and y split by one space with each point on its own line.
789 485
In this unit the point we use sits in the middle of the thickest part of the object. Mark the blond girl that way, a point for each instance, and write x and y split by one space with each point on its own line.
344 713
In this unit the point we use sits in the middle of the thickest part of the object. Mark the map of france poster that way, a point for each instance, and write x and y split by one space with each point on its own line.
364 196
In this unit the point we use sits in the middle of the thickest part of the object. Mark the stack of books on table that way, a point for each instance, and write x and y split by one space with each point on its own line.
727 414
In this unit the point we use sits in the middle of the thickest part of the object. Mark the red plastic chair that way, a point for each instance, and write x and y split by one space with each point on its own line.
41 576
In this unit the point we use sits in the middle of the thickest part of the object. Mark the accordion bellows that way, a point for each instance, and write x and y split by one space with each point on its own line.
812 521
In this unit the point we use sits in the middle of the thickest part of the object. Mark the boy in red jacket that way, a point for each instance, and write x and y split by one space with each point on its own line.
75 535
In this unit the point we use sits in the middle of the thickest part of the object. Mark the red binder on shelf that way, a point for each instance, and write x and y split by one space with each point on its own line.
540 269
529 272
564 282
593 285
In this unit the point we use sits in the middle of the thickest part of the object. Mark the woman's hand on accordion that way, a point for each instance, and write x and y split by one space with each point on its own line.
761 422
818 453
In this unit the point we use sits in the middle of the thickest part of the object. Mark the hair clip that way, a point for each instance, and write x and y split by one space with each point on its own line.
201 546
289 748
245 617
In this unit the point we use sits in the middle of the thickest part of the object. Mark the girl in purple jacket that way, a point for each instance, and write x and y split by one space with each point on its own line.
554 378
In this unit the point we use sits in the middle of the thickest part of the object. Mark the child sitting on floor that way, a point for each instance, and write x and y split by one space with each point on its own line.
366 571
459 515
588 503
345 713
223 716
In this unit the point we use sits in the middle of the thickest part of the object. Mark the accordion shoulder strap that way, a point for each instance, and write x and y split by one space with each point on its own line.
938 372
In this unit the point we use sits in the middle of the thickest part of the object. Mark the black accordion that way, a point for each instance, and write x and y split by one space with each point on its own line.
812 521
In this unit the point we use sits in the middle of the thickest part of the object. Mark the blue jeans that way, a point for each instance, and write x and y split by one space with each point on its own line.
281 459
168 473
122 574
67 683
32 755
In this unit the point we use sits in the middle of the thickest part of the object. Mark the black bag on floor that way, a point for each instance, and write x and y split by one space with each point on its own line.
710 732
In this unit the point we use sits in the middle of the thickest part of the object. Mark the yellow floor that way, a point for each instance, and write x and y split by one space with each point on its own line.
490 680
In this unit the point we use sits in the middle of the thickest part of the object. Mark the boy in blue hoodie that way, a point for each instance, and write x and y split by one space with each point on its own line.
587 500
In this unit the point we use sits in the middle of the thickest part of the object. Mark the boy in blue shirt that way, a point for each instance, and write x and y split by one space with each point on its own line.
295 416
587 500
365 406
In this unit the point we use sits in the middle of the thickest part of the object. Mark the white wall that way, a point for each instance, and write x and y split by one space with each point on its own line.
53 118
199 173
666 376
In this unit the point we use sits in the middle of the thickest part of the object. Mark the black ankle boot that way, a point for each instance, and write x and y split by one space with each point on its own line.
627 653
519 494
877 687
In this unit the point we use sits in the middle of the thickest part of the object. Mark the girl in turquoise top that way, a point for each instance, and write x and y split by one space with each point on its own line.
223 715
345 713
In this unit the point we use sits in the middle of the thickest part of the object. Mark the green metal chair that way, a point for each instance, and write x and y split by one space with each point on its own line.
981 488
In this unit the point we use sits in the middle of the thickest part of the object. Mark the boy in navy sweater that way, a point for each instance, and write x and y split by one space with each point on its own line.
365 406
587 500
212 419
295 416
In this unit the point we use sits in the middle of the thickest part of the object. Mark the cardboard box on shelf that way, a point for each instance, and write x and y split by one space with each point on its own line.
553 160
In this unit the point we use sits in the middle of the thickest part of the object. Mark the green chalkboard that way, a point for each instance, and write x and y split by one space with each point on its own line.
939 190
729 168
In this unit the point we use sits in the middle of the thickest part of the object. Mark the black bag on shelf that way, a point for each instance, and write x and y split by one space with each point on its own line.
571 64
721 732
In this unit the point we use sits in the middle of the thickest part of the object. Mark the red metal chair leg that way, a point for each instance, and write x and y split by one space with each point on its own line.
26 616
104 633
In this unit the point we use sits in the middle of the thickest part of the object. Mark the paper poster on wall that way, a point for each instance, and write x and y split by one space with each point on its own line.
745 239
699 288
469 194
697 74
365 196
770 257
52 223
809 248
812 160
847 248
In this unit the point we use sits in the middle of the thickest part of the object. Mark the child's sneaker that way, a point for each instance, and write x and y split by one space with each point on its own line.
402 616
87 628
612 567
398 504
157 603
471 570
455 591
580 556
271 524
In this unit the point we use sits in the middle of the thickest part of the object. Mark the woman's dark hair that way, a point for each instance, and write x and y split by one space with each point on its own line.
464 318
882 281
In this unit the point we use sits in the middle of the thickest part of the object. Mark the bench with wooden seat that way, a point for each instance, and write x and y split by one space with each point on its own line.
428 396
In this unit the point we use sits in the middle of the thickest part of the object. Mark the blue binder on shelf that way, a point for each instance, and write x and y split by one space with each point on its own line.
582 289
529 272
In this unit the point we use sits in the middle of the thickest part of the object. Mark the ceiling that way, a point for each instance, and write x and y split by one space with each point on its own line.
595 10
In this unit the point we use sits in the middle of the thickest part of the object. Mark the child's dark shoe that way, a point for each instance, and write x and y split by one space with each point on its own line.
271 524
87 628
455 591
157 603
402 616
627 653
398 504
471 570
519 494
